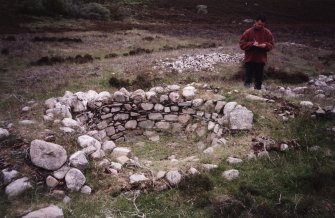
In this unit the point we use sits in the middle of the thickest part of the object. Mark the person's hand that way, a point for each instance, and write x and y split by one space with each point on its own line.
255 44
263 45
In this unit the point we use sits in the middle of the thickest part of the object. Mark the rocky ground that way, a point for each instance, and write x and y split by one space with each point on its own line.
152 119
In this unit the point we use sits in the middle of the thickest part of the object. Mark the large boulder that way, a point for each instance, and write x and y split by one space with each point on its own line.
240 118
47 155
17 187
74 179
48 212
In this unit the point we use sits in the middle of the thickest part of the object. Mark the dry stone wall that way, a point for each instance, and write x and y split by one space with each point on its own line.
108 116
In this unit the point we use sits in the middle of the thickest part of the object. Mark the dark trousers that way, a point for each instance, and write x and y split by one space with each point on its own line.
254 70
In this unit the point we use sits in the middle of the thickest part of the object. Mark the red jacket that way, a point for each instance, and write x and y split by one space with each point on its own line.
252 53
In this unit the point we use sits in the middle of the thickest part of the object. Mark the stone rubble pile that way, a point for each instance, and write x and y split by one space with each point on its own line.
198 62
321 87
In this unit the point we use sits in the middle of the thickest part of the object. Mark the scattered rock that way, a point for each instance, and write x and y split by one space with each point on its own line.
136 178
74 179
8 175
17 187
173 177
60 173
230 174
108 146
121 151
86 190
48 212
233 160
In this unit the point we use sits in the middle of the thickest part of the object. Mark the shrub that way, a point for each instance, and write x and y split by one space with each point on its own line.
71 8
94 11
34 7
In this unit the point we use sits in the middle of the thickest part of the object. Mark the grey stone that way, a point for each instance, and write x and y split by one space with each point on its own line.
121 151
3 133
121 117
174 108
146 124
102 125
167 109
189 111
193 171
87 141
110 130
209 105
47 155
147 106
233 160
173 177
184 118
122 160
230 174
108 146
197 102
230 106
66 200
256 98
171 117
17 187
163 98
68 122
211 125
155 116
137 178
61 172
174 97
51 211
51 182
138 96
154 138
98 154
162 125
120 97
170 88
158 107
8 175
189 92
106 116
79 160
74 179
209 166
131 124
240 118
86 190
27 122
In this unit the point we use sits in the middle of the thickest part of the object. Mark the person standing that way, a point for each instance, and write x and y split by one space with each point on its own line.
256 42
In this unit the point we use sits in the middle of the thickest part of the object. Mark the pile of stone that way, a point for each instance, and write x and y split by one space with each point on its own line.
321 87
14 186
198 62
